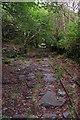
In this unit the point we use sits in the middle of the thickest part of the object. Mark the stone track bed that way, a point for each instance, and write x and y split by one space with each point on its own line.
34 93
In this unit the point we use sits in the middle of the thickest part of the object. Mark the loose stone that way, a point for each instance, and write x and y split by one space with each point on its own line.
50 116
66 114
50 99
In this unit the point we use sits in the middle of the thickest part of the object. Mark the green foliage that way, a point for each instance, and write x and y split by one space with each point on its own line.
14 95
58 68
50 57
39 23
51 41
72 112
18 57
16 41
5 117
27 18
71 42
6 60
11 107
59 74
12 101
71 35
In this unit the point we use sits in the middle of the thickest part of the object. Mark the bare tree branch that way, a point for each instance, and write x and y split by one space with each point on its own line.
34 35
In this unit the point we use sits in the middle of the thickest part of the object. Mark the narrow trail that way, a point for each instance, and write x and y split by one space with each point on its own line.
52 104
38 92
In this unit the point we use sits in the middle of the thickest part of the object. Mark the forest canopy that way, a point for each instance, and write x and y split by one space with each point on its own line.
53 24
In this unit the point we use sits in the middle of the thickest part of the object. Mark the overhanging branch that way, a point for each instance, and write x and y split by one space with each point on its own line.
34 35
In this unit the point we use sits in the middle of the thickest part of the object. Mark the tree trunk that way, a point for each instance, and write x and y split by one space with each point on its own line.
69 12
73 11
25 43
63 16
56 33
79 9
26 37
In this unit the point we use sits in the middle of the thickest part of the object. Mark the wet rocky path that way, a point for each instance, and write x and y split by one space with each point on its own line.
35 92
50 100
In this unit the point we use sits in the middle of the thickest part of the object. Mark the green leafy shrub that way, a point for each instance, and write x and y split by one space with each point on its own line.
71 42
6 60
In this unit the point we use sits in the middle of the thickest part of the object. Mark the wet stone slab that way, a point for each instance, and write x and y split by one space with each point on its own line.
61 93
29 96
49 86
66 114
48 77
45 65
46 70
50 116
31 77
50 99
30 84
19 116
45 59
27 64
21 77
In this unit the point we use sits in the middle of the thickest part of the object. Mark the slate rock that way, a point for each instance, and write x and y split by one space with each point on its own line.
50 116
41 94
46 70
40 69
30 85
49 84
11 64
49 88
48 77
32 117
50 99
21 77
61 93
29 96
66 114
74 79
19 116
25 66
45 65
45 59
31 76
35 69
